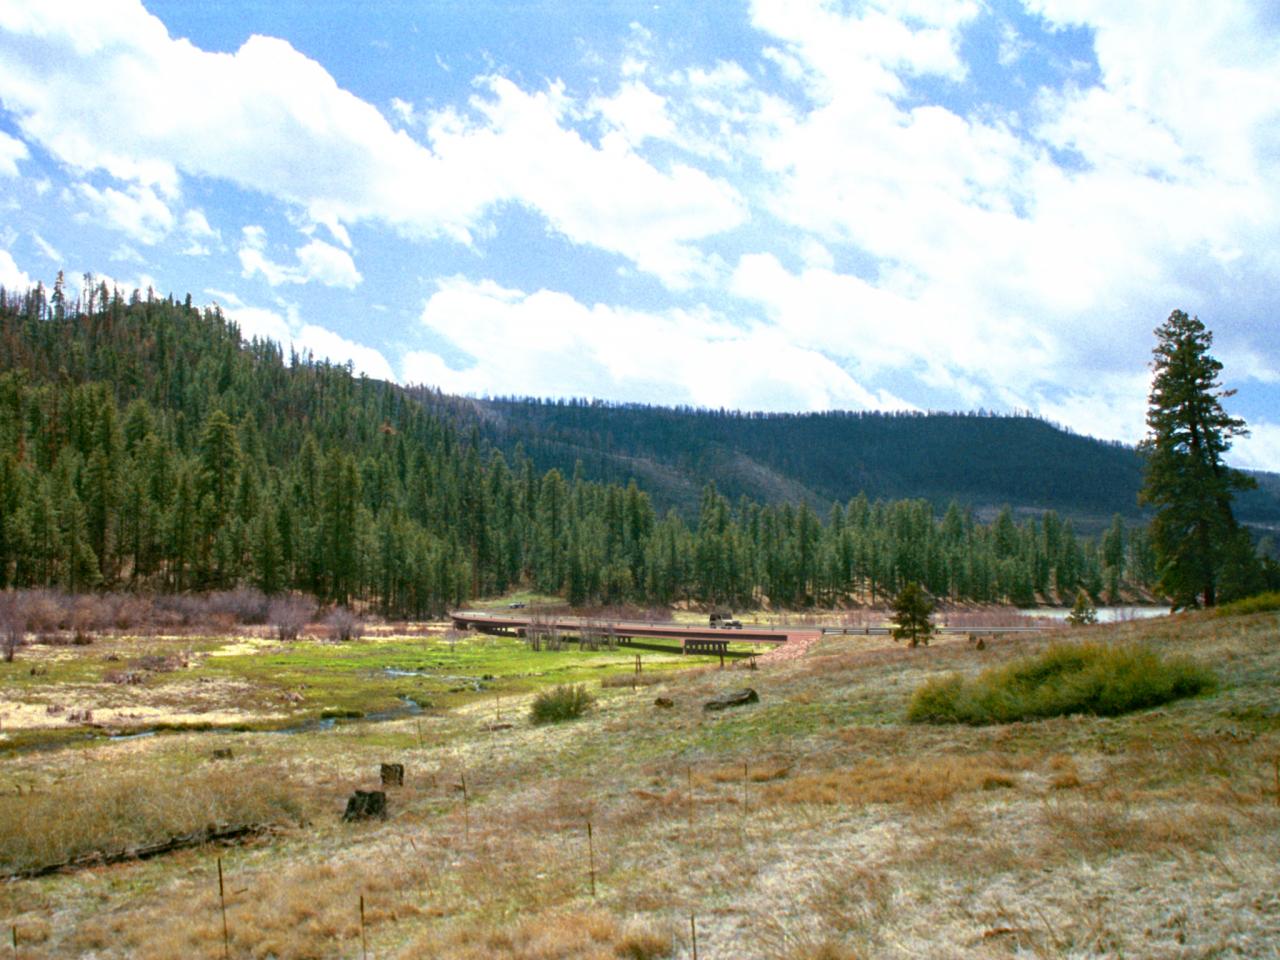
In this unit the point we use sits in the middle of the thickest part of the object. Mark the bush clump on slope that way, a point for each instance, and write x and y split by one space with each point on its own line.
563 702
1065 679
1258 603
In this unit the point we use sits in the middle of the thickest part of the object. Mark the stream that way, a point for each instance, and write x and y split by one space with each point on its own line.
410 708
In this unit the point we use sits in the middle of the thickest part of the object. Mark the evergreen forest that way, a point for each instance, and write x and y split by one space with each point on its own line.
146 445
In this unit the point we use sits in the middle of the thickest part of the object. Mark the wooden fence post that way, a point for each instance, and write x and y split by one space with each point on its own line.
591 855
689 782
466 809
222 901
364 946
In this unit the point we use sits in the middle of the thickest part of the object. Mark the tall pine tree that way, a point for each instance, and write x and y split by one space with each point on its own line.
1194 533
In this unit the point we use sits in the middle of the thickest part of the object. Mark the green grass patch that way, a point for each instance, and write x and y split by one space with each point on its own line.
563 702
1066 679
1258 603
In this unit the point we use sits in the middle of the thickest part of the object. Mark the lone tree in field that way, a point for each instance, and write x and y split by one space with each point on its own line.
1194 534
1084 612
911 611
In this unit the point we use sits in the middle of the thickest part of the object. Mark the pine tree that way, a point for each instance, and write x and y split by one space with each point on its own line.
1083 612
1194 532
911 611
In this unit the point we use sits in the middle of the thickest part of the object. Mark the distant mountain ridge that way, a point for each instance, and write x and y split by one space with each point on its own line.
982 460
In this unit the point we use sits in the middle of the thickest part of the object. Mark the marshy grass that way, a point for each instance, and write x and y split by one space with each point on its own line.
560 703
106 815
1065 679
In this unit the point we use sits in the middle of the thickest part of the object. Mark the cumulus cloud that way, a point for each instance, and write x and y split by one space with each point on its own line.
317 260
71 70
986 261
1258 451
607 196
11 277
537 343
138 210
876 229
287 329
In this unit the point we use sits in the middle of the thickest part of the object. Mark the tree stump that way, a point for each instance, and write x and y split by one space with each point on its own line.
393 774
366 805
736 699
222 753
665 702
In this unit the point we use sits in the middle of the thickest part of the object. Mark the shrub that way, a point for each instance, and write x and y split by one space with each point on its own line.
46 611
344 624
244 605
563 702
1084 612
289 614
13 623
1065 679
1258 603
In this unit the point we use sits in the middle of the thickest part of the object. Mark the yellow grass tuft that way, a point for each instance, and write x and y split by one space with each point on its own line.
912 781
566 935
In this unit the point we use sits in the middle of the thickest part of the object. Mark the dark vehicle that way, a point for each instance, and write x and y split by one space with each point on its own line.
518 605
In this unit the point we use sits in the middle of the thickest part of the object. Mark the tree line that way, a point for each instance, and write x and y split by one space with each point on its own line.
146 445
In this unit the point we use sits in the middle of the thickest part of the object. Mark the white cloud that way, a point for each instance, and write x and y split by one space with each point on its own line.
1258 451
317 261
607 197
403 109
635 113
196 227
70 71
548 344
11 277
196 224
325 343
986 268
126 253
11 151
333 267
138 211
290 332
45 247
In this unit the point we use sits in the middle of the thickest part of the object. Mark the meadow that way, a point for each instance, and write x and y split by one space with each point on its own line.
819 822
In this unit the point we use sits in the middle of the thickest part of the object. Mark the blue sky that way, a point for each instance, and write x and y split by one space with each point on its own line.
779 204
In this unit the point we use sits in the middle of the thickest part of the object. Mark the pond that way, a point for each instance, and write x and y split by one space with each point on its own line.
1120 614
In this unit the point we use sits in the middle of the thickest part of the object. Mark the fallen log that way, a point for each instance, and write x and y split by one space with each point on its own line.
736 699
212 834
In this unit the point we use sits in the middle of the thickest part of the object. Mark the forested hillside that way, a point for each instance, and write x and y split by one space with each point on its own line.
983 461
145 445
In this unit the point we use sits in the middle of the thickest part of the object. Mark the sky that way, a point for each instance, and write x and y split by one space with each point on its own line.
768 204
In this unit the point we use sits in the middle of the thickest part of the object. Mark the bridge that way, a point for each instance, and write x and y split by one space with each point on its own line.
693 638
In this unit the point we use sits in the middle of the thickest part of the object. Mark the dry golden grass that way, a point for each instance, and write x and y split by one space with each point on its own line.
912 781
569 935
99 814
1156 834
